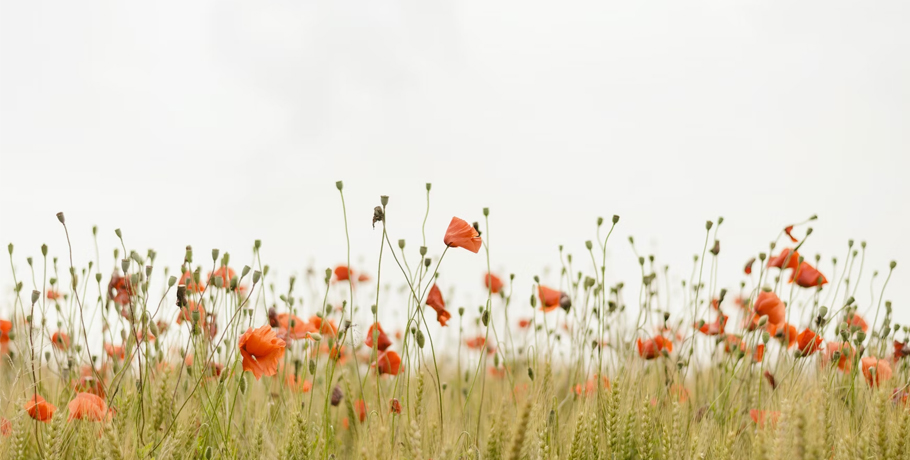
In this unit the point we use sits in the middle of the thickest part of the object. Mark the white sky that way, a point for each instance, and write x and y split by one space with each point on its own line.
216 123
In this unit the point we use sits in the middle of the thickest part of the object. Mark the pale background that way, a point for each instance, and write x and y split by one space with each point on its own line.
216 123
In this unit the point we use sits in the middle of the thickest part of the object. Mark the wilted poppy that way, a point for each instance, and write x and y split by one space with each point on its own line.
382 341
786 259
901 349
436 302
388 363
86 406
461 234
60 341
493 283
807 276
39 409
876 370
760 416
261 350
809 342
652 348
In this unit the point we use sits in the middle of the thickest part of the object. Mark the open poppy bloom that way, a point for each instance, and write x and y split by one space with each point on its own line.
39 409
86 406
388 363
291 327
119 289
551 298
807 276
809 342
875 370
759 353
189 280
524 323
786 259
297 384
261 350
461 234
715 328
115 351
785 333
493 283
343 273
53 295
395 406
325 328
436 302
652 348
733 343
854 319
901 349
60 341
5 328
845 353
382 342
760 416
476 343
768 304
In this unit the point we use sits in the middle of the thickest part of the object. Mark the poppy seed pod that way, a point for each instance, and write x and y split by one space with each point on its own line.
336 396
708 225
118 233
125 265
339 185
486 212
61 218
565 302
384 199
35 296
400 244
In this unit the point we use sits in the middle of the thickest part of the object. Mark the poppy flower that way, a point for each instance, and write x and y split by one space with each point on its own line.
760 416
88 384
86 406
524 323
225 273
807 276
733 343
461 234
680 392
809 342
292 327
768 304
786 333
476 343
53 295
788 230
436 302
388 363
854 319
361 408
261 350
343 273
497 371
876 370
39 409
325 328
748 269
786 259
60 341
395 406
5 328
382 342
6 428
652 348
296 384
759 353
901 349
715 328
119 289
189 280
186 313
845 353
493 283
115 351
551 298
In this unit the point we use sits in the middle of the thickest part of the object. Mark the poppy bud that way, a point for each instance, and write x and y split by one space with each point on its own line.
9 248
666 316
765 336
600 221
823 311
336 396
533 301
762 321
485 318
615 219
339 185
420 338
61 218
35 296
234 282
588 244
209 453
312 367
44 250
860 337
808 231
429 186
486 212
118 233
849 300
188 256
316 336
423 250
242 384
893 264
384 199
218 282
565 302
708 225
400 244
427 261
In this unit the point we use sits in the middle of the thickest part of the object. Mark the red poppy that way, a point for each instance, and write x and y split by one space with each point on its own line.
119 289
760 416
769 304
382 342
680 392
5 328
808 342
296 384
524 323
807 276
901 349
189 280
291 327
715 328
186 313
435 301
590 386
749 264
476 343
551 298
115 351
261 350
880 367
759 353
325 328
786 333
461 234
652 348
360 408
225 273
734 342
493 283
788 229
395 406
787 259
60 341
388 363
86 406
845 353
53 295
39 409
89 384
343 273
854 319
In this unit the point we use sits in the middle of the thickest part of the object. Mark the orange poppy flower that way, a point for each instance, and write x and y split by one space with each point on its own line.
325 328
881 368
119 289
296 384
436 302
785 333
261 350
854 319
759 353
189 280
53 295
294 328
361 408
715 328
6 428
476 343
388 363
343 273
39 409
808 342
5 328
590 386
807 276
492 282
88 384
760 416
786 259
551 298
461 234
86 406
845 353
652 348
680 392
186 313
60 341
115 351
788 230
524 323
769 304
901 349
395 406
382 342
734 342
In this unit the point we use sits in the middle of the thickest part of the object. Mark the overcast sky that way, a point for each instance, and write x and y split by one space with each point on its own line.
215 123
